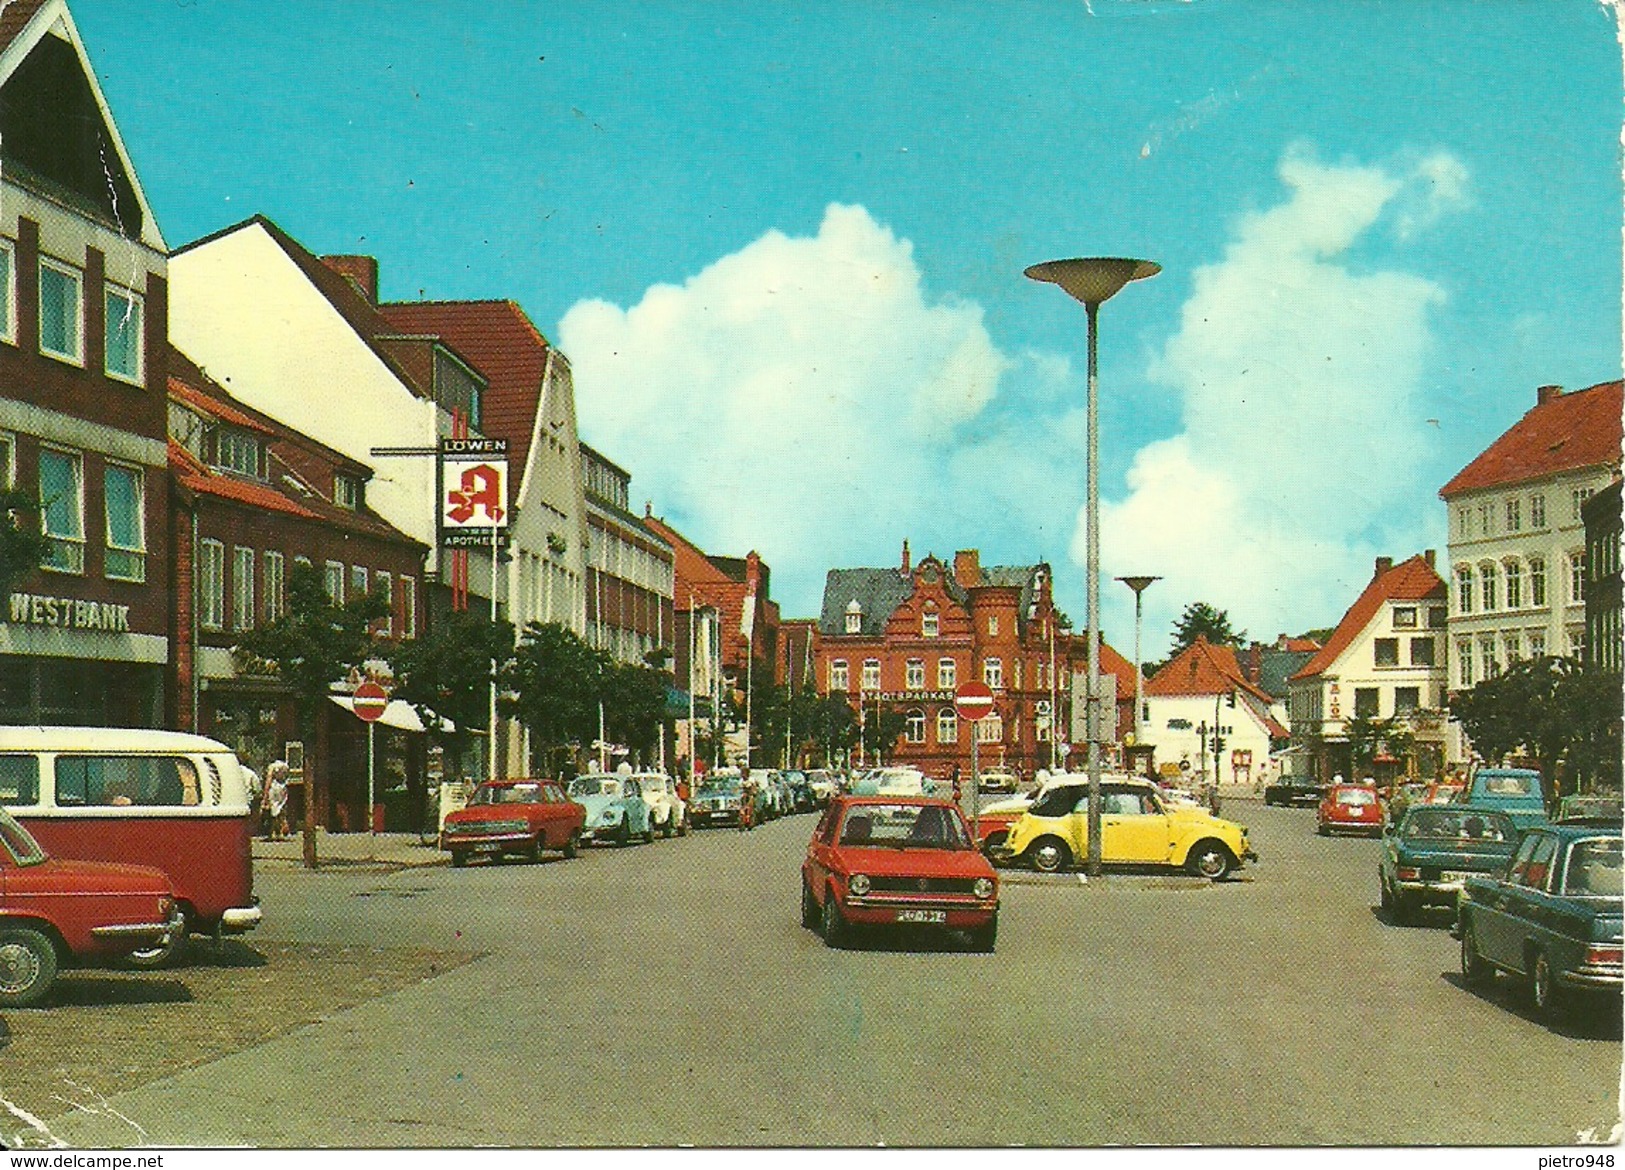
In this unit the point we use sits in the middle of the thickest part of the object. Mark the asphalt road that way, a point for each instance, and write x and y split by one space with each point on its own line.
666 994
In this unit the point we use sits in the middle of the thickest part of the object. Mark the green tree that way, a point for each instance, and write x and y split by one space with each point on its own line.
22 545
1202 619
832 725
1370 737
1555 710
882 731
446 676
310 647
634 699
554 680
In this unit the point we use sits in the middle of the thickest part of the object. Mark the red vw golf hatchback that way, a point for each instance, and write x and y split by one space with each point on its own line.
897 860
1349 808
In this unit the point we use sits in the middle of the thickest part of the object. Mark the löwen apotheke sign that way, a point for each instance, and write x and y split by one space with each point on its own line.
68 613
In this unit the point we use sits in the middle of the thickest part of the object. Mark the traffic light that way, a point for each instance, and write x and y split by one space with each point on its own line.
1230 699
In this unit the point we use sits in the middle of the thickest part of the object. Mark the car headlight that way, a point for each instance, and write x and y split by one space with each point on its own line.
609 816
858 885
983 888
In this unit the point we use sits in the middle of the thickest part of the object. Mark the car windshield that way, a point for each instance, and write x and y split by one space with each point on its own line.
904 826
1446 823
1594 869
1356 796
507 794
595 786
1513 785
19 842
729 787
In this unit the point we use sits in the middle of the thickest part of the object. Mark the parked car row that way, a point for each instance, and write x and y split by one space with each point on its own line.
529 817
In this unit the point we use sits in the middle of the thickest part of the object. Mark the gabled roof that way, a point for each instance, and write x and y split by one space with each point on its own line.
507 348
878 591
1412 580
1202 668
690 564
216 409
1564 433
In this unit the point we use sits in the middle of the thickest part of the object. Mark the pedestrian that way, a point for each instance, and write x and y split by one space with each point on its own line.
276 801
747 803
255 787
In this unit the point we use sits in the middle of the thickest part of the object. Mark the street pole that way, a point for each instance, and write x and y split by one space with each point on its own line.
750 664
1054 705
975 788
372 821
693 741
1139 585
491 738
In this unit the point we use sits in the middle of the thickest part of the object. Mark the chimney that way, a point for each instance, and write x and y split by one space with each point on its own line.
1431 557
906 562
968 568
1383 565
360 271
1280 641
1544 394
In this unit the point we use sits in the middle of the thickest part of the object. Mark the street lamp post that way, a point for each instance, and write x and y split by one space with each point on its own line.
1139 585
1093 281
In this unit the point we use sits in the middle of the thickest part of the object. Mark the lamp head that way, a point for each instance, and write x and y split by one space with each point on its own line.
1093 279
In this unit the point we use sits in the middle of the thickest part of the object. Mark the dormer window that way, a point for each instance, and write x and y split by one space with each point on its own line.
854 617
237 451
928 624
347 491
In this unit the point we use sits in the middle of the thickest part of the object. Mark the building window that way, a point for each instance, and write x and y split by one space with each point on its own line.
1405 617
237 451
347 492
1366 702
8 461
1537 643
990 729
1436 618
1579 496
1514 575
62 508
1407 700
123 340
409 607
838 680
212 585
276 575
992 625
1514 514
358 581
871 674
928 624
1577 577
854 617
1464 590
915 675
993 672
947 726
384 584
61 311
1537 581
8 301
125 505
947 674
242 588
1577 642
1464 661
1486 519
1488 667
1537 511
1421 651
916 726
1487 590
334 580
1464 521
1387 652
1512 647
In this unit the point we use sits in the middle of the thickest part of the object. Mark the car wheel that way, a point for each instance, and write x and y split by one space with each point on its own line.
1049 855
1543 987
1211 860
572 843
809 908
1385 896
994 840
1323 830
983 937
624 837
459 858
1476 971
27 966
1406 909
835 930
682 827
649 832
166 952
533 852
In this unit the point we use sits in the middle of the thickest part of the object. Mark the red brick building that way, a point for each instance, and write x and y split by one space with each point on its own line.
252 498
723 584
903 639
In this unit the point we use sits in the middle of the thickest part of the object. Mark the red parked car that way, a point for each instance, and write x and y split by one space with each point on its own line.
55 913
1349 808
897 860
523 817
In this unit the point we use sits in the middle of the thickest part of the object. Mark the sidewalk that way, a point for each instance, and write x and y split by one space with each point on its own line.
350 851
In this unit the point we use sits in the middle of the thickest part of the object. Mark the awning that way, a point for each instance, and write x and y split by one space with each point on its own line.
397 714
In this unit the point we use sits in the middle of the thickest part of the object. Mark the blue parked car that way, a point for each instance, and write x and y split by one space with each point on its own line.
1429 853
1514 791
616 810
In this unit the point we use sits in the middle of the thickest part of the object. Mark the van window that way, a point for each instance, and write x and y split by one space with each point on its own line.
19 780
146 781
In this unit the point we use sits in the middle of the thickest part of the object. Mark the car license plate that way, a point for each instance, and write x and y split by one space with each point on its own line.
488 847
922 916
1451 875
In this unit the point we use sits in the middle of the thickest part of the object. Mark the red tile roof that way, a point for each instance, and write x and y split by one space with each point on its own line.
242 491
1412 580
506 347
1202 668
213 406
1564 433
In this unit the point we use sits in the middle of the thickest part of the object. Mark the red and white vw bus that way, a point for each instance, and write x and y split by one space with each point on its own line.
177 802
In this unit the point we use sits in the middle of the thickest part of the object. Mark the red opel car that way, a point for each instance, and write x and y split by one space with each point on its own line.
1349 808
54 913
522 817
897 860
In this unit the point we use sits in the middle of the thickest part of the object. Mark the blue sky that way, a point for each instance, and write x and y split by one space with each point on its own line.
783 244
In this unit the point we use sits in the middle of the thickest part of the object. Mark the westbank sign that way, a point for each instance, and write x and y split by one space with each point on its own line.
70 613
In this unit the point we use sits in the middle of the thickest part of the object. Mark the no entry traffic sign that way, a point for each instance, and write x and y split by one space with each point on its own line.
973 701
368 701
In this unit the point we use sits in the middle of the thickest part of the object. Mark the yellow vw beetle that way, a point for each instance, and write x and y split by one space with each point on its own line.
1136 828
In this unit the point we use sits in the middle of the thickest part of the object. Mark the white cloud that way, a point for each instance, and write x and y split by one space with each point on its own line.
1302 415
801 396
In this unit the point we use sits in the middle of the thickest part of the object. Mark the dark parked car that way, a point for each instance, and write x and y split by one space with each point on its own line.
1430 852
1551 918
1290 791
